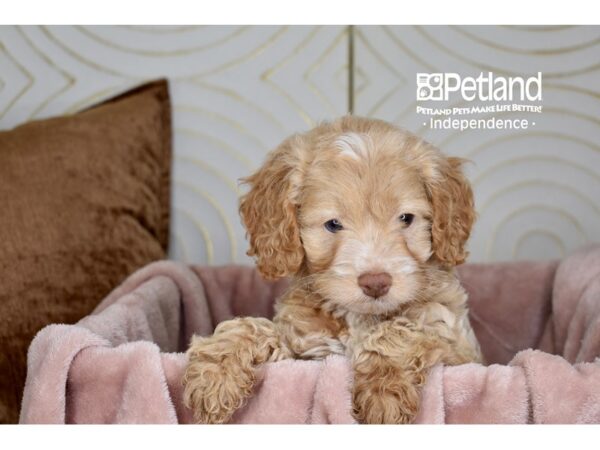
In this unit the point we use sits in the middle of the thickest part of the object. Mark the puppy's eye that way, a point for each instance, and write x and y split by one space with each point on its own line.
333 225
407 218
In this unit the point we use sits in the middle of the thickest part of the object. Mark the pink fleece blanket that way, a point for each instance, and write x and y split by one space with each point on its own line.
538 325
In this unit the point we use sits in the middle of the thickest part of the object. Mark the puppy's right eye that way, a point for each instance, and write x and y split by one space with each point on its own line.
333 225
406 218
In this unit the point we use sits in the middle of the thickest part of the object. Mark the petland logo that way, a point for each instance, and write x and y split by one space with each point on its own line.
486 87
499 103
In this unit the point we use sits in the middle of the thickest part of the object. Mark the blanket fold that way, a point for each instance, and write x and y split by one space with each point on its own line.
538 324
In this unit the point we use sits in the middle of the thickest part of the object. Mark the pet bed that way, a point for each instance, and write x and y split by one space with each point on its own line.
538 324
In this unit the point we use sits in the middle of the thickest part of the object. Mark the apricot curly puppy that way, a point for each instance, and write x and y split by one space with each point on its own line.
369 220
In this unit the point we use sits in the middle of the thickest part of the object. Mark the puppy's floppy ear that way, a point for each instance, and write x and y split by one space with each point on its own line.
269 213
453 212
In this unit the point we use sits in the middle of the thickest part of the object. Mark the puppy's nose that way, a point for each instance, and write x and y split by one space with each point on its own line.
375 284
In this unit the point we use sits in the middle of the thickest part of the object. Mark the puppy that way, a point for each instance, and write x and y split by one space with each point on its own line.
369 220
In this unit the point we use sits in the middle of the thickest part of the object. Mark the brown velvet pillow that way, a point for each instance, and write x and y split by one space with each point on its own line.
84 202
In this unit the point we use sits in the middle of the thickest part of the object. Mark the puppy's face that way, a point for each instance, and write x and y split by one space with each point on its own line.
365 223
359 208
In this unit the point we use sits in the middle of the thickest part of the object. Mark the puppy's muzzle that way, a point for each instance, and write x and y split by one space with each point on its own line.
375 284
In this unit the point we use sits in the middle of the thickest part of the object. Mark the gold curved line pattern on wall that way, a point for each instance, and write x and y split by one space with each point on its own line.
547 74
317 64
217 116
384 98
548 134
203 232
45 103
92 99
362 75
70 81
535 158
210 199
406 49
158 53
444 49
85 61
253 54
237 97
160 29
268 73
534 183
492 240
538 28
568 112
537 52
570 88
212 170
113 72
24 71
402 79
539 231
305 117
378 56
572 108
340 73
20 30
219 143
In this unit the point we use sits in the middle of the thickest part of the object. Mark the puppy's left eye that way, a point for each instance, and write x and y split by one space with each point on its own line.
406 218
333 226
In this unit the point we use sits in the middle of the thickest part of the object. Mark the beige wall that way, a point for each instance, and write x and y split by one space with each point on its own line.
237 91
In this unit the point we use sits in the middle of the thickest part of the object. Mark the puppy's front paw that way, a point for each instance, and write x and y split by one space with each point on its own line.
216 385
382 407
390 396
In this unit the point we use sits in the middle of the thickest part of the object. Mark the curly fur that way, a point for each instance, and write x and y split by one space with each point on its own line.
365 173
269 213
453 213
